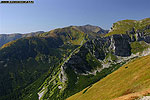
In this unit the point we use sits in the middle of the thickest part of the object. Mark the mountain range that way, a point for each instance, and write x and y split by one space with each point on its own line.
57 64
5 38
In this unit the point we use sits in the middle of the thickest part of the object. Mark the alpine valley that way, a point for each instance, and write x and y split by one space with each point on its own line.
77 63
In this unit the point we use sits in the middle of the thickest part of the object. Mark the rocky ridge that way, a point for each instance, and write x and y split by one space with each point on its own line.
96 55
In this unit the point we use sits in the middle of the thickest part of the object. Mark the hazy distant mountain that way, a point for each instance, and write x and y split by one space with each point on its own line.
89 29
5 38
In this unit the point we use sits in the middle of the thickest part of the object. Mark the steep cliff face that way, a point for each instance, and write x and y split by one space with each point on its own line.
100 50
122 41
87 58
122 45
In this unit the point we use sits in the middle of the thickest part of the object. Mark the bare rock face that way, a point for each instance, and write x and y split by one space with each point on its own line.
139 35
117 45
122 45
147 39
99 49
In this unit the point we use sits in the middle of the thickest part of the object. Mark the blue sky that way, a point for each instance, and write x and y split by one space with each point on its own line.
45 15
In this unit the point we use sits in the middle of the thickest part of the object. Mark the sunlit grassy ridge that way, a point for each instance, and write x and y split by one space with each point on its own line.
68 35
8 44
121 27
130 78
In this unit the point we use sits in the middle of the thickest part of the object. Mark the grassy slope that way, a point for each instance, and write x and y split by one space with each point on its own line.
121 27
138 46
124 81
37 55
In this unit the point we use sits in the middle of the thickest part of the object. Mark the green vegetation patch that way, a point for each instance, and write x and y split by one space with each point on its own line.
92 61
77 83
111 56
138 47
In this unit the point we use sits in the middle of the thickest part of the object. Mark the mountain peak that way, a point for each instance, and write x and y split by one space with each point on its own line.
88 28
90 25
